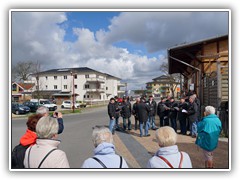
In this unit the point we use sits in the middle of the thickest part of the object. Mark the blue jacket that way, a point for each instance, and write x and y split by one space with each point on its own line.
105 152
209 130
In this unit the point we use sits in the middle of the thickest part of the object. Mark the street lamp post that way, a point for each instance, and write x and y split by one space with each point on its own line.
73 95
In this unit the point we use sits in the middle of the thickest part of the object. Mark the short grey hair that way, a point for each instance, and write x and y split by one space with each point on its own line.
101 134
209 110
193 97
47 127
42 110
166 136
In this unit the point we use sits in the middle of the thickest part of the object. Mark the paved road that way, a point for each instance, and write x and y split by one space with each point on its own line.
77 143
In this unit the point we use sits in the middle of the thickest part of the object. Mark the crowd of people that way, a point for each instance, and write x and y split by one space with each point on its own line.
187 112
38 147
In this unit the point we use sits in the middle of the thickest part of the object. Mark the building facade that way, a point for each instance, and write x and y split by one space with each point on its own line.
22 91
81 84
161 87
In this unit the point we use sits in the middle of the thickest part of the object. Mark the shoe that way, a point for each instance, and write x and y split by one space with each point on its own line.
147 135
194 136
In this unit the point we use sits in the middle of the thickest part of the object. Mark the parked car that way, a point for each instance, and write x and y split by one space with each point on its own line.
20 109
82 104
46 103
69 104
32 105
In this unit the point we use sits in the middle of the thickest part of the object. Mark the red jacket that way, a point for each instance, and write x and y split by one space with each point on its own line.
29 138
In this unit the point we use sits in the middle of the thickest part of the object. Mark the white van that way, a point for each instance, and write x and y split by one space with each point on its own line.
46 103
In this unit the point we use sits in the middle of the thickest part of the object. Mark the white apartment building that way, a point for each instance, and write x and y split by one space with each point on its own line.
83 83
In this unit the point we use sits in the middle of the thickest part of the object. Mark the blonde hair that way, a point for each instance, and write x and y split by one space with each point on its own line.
47 127
166 136
100 135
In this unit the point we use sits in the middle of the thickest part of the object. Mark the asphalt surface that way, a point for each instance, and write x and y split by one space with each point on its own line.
77 143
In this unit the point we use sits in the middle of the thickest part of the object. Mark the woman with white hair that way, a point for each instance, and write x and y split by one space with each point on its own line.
104 152
209 129
45 153
168 155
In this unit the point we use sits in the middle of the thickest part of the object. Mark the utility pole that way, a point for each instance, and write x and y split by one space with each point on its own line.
73 95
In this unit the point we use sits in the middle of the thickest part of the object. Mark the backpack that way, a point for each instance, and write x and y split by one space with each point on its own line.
18 155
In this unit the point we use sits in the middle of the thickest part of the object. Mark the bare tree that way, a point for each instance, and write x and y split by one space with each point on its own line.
174 79
22 70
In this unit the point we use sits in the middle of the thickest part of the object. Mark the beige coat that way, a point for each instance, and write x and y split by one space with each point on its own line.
57 159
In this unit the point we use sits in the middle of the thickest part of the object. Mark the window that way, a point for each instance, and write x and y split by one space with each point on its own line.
87 76
46 87
55 86
64 77
55 77
106 88
75 86
64 86
87 96
87 86
84 96
14 87
75 76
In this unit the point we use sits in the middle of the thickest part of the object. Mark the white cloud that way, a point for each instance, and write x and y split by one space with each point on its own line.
37 36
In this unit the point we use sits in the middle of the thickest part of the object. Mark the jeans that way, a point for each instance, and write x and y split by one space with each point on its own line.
117 123
174 123
125 125
152 121
146 125
111 125
193 128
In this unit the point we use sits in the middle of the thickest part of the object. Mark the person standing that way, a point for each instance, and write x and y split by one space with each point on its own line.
126 113
173 113
134 112
182 116
168 155
209 129
28 139
104 151
118 109
142 110
45 153
153 109
162 112
192 116
112 114
45 112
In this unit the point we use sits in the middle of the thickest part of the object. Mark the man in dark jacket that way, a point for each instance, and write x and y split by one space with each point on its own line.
192 116
162 113
118 109
112 114
126 113
134 112
173 113
153 109
142 110
182 115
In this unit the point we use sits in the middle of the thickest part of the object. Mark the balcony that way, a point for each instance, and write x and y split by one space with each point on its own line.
95 79
121 85
97 90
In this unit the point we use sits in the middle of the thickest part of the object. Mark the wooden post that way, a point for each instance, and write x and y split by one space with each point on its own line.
219 83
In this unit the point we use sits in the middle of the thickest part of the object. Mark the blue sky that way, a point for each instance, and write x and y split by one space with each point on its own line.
95 21
128 45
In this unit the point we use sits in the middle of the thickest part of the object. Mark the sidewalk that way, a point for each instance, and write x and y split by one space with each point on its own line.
138 150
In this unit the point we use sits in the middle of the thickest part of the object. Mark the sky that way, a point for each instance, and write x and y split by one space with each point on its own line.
129 45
